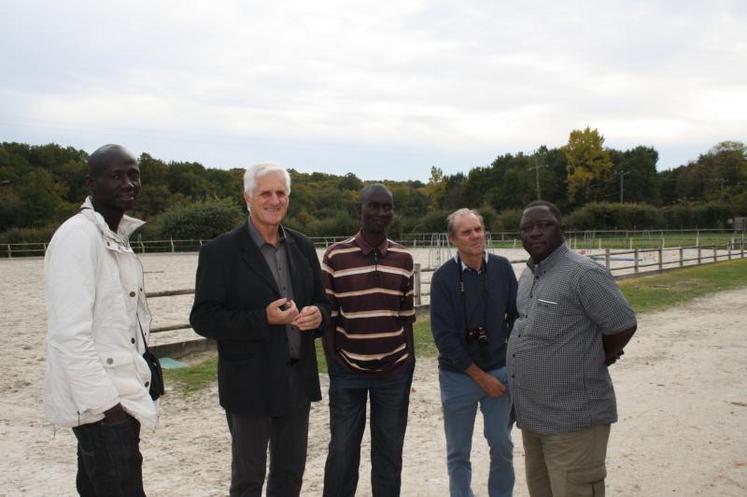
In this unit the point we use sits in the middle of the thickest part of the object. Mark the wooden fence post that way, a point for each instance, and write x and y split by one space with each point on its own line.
682 257
417 284
607 258
661 257
635 258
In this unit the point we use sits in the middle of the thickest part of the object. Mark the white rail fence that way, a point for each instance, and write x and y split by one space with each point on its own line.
621 263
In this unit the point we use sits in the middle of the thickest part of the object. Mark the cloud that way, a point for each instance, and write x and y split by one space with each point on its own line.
418 82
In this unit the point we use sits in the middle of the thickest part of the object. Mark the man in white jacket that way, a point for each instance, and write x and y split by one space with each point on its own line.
97 381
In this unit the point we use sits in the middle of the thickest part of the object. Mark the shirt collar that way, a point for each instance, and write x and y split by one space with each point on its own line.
257 237
366 248
465 267
549 262
127 225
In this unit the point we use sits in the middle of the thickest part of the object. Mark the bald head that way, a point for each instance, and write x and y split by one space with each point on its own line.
105 156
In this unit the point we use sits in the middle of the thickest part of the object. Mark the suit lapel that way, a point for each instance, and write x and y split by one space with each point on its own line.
253 258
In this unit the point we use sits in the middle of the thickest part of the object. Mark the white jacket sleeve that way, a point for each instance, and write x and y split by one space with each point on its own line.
70 272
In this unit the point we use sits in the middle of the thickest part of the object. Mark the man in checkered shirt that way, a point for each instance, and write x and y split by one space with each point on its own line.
573 323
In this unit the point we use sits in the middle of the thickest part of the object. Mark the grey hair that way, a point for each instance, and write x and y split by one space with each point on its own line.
461 212
262 169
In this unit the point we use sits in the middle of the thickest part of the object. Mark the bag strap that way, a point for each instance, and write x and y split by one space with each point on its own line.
142 334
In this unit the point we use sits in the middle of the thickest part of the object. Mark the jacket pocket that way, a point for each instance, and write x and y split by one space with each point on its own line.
114 359
122 371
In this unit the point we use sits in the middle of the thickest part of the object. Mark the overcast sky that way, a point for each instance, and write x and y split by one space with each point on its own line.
381 89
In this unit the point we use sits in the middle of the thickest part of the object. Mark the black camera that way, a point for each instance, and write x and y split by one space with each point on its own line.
480 334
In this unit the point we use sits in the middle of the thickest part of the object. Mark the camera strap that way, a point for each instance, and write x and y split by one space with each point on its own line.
482 274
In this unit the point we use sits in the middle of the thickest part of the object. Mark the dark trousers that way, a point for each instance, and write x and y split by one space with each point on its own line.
390 398
109 459
287 437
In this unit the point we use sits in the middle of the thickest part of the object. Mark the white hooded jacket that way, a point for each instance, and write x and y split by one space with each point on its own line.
96 308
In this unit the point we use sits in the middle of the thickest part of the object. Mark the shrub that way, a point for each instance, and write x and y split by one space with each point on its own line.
609 216
202 220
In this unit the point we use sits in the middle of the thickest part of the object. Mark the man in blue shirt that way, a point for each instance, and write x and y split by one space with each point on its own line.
473 306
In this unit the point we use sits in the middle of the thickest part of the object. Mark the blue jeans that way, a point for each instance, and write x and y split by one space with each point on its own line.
109 459
460 396
390 399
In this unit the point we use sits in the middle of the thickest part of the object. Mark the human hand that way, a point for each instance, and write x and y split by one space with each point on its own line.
310 318
492 386
281 311
612 358
116 414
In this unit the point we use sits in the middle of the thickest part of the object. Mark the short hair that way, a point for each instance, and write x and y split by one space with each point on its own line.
544 203
461 212
373 187
262 169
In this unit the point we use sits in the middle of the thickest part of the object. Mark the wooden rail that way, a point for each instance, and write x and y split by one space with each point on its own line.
705 255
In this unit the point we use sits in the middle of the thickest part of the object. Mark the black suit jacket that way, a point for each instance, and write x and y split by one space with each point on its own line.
234 286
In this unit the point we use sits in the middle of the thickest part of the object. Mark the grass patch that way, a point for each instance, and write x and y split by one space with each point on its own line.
659 291
193 378
645 294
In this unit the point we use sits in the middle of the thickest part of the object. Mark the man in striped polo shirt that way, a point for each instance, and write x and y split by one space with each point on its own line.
369 281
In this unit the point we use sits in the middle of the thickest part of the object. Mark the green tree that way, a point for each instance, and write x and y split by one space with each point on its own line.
588 166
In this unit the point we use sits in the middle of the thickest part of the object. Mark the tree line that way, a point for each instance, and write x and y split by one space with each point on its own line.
597 187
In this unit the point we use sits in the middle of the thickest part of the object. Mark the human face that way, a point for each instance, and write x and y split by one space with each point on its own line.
540 232
268 203
468 237
116 184
377 211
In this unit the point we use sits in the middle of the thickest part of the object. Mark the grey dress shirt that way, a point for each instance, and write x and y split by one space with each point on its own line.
276 258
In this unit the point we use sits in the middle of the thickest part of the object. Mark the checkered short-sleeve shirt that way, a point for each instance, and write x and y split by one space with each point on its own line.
555 359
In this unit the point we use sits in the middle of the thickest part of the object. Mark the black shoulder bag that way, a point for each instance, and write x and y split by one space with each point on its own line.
156 373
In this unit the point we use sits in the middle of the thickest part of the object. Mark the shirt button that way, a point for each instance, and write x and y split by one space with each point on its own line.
132 340
109 360
147 383
132 294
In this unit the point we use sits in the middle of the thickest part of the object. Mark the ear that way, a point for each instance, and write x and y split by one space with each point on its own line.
90 183
247 198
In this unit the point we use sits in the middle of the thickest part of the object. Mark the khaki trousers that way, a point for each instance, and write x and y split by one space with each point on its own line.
566 464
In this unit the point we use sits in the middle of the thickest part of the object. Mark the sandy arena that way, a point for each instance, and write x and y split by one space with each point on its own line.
682 395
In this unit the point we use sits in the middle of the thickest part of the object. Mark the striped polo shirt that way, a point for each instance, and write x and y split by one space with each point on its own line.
371 291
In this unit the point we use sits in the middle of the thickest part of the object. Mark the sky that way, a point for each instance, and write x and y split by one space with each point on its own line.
385 90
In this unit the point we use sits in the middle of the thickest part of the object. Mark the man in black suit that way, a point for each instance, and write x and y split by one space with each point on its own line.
260 295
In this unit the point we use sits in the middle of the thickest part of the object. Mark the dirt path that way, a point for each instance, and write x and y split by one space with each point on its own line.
682 393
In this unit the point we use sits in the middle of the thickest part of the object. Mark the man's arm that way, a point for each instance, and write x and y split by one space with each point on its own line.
211 316
613 344
70 278
605 304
